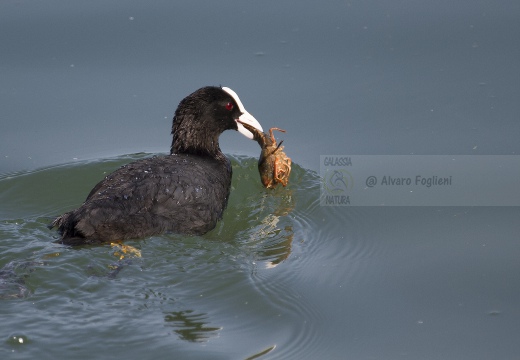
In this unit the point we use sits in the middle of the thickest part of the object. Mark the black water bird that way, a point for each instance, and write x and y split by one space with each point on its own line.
185 192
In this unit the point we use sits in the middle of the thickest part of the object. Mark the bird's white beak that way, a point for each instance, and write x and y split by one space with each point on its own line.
247 118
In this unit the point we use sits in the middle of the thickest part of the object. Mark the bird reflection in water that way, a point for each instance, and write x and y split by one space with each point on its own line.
191 326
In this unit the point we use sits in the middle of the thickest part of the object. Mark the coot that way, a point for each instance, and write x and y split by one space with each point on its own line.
184 192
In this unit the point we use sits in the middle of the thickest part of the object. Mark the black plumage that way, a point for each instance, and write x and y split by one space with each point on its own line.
184 192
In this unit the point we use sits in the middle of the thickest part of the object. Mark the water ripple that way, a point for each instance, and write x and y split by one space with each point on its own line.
243 280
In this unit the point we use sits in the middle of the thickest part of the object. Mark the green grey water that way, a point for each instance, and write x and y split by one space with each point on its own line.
181 292
280 276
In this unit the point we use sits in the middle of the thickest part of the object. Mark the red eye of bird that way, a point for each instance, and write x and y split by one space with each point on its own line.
229 106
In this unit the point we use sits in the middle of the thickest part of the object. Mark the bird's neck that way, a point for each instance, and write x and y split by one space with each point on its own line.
197 145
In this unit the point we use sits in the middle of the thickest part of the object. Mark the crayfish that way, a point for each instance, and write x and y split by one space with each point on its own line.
274 165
